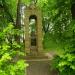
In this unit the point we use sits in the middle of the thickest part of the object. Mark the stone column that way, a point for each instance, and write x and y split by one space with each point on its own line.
39 32
27 36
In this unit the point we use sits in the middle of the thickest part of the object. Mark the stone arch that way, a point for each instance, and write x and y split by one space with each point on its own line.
32 12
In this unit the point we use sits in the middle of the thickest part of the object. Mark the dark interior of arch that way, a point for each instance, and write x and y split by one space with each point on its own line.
33 33
73 10
33 17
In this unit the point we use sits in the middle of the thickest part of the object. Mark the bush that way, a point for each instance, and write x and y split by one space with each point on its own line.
10 52
65 63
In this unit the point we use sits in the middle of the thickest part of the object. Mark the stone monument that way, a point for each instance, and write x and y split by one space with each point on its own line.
33 42
33 38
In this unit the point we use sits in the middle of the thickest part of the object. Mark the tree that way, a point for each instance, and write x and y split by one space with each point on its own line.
9 48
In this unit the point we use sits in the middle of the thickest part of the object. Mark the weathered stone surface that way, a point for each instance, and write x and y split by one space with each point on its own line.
40 67
34 11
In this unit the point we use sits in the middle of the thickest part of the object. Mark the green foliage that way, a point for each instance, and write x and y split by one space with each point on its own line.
58 29
65 63
49 42
10 53
57 23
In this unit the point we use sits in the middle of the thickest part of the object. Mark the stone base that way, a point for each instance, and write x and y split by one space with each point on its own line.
35 57
39 64
40 67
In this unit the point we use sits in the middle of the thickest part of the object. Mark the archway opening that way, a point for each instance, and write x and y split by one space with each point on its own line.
73 10
33 33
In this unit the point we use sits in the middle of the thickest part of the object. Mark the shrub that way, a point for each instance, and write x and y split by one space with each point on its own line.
10 52
65 63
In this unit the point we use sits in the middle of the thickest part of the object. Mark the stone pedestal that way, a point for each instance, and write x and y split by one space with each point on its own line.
40 67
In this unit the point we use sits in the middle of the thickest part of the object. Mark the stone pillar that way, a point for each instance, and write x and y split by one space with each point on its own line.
39 32
27 36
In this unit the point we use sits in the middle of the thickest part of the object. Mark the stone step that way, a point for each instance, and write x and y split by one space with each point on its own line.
31 57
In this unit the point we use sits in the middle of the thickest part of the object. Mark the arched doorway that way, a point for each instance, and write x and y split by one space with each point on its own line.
33 34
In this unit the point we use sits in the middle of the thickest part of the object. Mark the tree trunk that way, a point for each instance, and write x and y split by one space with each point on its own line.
18 20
